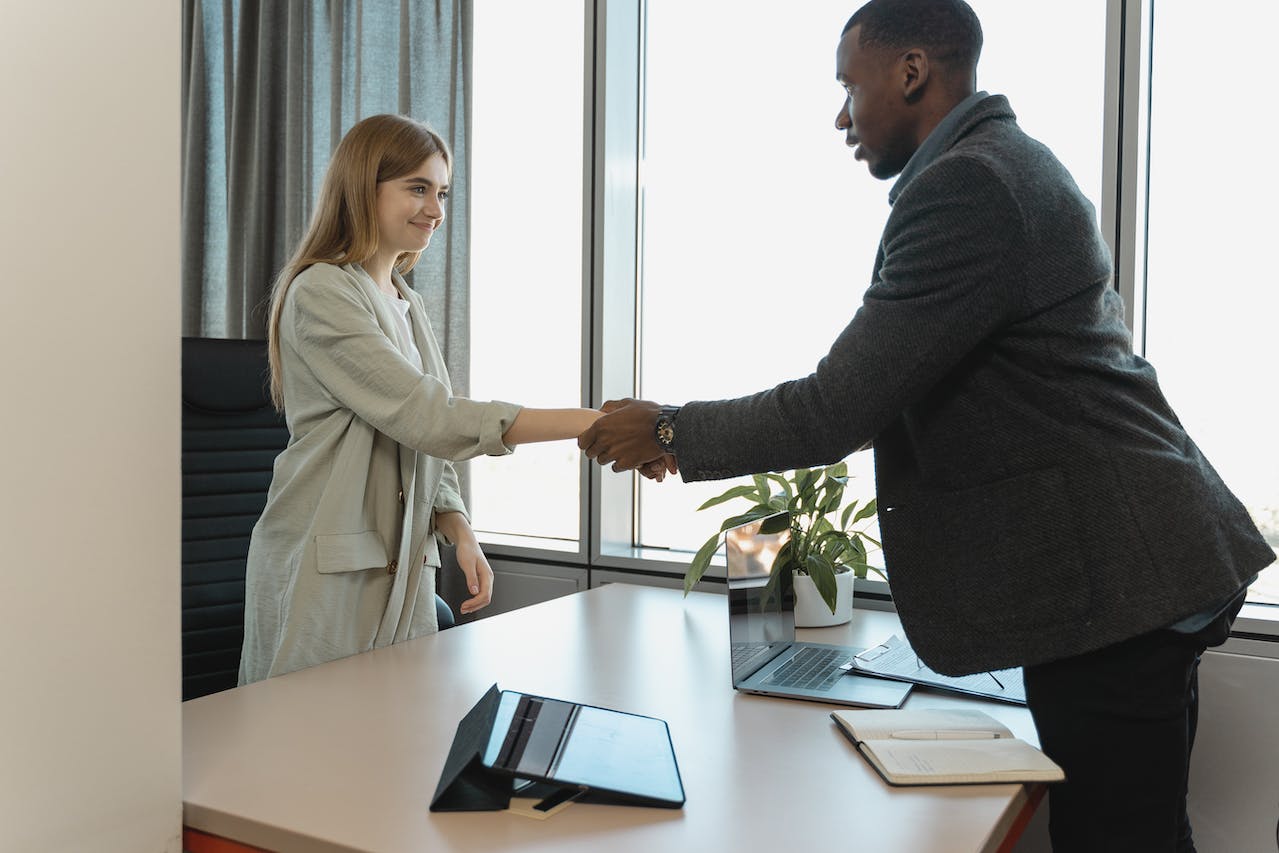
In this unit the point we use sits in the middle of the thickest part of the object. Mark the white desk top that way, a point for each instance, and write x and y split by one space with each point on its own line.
347 755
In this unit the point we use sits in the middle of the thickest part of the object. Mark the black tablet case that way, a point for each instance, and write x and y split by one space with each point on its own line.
466 785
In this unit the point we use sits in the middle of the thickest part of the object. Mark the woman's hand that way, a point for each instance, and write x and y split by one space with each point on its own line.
479 576
470 559
659 468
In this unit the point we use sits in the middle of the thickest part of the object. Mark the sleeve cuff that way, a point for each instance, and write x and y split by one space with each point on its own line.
496 422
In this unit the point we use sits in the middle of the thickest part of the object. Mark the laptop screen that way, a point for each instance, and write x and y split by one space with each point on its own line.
761 617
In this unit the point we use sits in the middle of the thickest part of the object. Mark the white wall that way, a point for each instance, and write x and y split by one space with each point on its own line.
90 726
1234 773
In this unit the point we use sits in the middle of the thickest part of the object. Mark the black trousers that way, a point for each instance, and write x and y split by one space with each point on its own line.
1121 722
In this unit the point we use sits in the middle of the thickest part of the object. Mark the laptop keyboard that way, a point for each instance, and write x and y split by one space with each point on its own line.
810 669
742 652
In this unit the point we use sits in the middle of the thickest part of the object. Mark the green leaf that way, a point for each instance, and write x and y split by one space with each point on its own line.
775 524
784 483
858 568
778 502
754 514
828 540
823 575
848 511
834 496
701 560
833 548
805 480
839 469
867 511
735 492
807 502
762 488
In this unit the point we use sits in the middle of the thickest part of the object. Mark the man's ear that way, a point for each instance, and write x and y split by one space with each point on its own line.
914 70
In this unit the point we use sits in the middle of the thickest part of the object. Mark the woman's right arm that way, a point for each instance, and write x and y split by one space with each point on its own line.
345 358
532 425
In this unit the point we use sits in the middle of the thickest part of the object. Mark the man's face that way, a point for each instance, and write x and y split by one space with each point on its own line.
875 117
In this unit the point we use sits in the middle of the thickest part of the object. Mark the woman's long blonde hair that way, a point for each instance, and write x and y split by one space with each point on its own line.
343 228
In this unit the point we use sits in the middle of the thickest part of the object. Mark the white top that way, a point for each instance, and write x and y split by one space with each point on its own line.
402 315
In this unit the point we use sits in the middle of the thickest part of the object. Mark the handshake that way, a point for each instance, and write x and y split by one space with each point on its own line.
624 436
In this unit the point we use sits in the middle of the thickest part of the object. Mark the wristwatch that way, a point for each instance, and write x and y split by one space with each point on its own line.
664 429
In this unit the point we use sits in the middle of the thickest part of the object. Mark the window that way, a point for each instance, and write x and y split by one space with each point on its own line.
723 207
1211 291
757 222
526 256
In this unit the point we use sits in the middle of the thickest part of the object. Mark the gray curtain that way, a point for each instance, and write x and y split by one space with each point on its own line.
268 89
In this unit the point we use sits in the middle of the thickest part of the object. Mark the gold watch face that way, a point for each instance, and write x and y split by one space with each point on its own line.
665 432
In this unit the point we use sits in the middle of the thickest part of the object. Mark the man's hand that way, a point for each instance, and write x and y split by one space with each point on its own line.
624 436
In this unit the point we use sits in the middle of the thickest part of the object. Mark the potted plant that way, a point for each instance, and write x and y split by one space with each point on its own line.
822 557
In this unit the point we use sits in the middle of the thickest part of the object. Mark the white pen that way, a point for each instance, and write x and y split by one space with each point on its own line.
945 735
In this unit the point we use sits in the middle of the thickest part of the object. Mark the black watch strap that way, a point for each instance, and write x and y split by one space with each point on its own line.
664 428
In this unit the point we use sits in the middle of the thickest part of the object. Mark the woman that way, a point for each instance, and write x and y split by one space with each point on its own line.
343 558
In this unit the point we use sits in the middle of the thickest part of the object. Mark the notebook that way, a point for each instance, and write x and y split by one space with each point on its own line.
944 747
766 657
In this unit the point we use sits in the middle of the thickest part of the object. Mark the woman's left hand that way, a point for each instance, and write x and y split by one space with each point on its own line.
479 576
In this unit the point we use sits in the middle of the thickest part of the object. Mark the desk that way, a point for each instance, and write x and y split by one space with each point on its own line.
346 755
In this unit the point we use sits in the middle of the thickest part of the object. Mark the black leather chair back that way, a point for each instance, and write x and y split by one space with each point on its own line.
231 435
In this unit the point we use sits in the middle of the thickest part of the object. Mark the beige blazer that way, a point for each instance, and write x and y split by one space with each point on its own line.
342 559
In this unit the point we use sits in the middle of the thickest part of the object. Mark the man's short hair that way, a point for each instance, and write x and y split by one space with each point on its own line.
947 29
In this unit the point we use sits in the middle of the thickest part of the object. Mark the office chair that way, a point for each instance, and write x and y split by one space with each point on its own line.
231 435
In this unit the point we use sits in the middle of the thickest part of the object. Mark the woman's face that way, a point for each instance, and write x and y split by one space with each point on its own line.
411 207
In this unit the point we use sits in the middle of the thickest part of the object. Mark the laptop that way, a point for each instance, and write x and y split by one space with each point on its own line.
766 657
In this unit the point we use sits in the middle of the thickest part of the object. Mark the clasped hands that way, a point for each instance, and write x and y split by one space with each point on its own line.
624 436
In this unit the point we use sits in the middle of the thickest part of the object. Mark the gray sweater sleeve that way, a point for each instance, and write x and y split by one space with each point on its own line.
948 277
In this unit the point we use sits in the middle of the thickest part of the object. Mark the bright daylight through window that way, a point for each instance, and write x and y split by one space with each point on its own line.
1212 293
526 255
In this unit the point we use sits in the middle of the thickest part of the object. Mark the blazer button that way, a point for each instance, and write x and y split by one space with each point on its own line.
401 496
392 566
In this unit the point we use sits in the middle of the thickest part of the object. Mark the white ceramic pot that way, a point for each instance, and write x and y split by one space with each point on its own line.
812 612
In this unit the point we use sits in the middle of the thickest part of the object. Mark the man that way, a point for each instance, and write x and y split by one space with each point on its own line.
1040 503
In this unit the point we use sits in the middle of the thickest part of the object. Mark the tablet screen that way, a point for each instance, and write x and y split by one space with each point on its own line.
583 745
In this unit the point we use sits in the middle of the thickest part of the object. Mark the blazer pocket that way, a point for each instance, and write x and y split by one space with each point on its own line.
350 552
997 556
